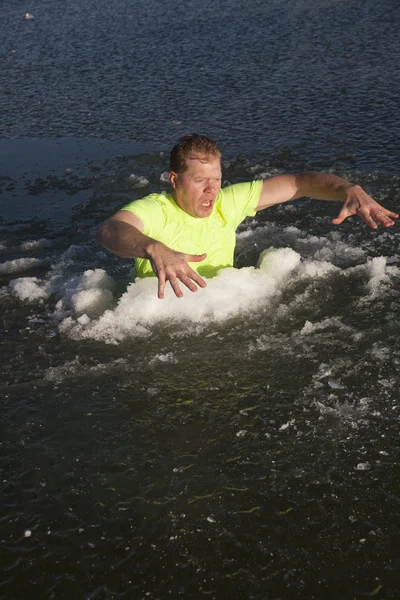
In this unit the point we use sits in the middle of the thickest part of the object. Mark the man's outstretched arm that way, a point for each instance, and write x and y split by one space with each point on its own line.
324 186
123 235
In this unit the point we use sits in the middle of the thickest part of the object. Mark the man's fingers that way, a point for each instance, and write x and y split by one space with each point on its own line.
197 278
383 216
359 203
175 286
161 285
369 221
344 213
194 257
385 221
190 278
371 218
178 269
339 219
378 217
189 283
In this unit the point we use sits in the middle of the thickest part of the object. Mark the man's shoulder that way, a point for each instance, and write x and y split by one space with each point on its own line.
243 188
154 200
238 201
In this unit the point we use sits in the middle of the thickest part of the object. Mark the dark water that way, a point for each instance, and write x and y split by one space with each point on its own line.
243 442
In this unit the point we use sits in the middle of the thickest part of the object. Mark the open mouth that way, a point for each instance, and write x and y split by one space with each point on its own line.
207 204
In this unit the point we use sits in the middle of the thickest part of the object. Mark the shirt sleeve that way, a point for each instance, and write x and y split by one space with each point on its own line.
150 212
240 200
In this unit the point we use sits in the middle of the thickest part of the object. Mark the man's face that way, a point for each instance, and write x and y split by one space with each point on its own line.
196 189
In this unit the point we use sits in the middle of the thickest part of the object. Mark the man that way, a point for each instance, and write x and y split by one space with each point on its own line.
191 232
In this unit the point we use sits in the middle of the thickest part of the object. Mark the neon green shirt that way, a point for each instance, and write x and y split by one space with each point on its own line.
164 221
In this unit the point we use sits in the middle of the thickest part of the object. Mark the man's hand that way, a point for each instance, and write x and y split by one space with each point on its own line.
123 234
170 265
359 203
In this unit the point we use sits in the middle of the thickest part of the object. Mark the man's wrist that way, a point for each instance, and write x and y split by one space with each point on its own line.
150 249
353 185
353 188
349 189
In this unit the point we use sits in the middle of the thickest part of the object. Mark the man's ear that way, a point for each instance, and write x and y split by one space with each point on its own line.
172 178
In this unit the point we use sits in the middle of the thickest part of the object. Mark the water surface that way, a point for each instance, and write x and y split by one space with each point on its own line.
241 442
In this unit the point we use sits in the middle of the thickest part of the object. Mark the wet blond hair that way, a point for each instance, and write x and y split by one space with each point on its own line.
190 147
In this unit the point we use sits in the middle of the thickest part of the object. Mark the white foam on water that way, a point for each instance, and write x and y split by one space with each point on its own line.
32 289
19 265
379 352
286 236
388 383
298 339
29 289
87 306
90 294
264 174
380 275
231 292
317 269
58 374
138 181
331 248
249 231
73 368
34 244
346 411
344 403
307 271
329 323
163 358
164 177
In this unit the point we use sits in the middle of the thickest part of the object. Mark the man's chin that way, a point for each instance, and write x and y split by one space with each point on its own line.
205 211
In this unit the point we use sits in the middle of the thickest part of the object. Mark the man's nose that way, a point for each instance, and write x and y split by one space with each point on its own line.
210 185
